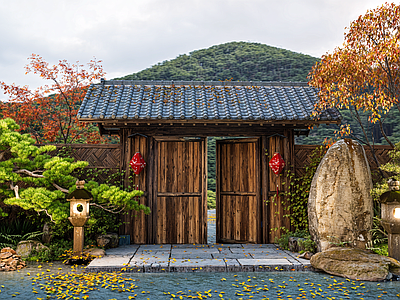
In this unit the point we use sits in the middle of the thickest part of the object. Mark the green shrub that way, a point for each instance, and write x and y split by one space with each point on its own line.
295 198
56 251
307 244
211 202
12 240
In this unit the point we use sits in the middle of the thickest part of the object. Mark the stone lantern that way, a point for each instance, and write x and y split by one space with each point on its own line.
79 213
390 211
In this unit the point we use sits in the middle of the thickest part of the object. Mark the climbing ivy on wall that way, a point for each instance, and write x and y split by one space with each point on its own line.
295 199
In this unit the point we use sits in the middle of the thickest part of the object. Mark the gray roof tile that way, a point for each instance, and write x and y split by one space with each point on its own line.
186 100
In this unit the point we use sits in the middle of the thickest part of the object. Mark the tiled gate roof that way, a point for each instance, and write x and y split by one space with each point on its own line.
208 100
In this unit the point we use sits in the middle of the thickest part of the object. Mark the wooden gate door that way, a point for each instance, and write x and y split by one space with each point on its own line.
238 191
181 191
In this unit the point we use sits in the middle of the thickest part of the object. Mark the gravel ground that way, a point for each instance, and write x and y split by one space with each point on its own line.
211 228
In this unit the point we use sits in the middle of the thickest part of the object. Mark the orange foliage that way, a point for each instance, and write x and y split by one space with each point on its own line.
363 74
49 112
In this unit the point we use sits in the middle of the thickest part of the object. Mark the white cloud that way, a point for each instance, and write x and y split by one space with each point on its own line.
132 35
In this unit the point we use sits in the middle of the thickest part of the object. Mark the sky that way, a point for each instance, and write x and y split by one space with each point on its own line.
129 36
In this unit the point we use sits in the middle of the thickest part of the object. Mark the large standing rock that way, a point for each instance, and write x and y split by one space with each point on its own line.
356 264
340 207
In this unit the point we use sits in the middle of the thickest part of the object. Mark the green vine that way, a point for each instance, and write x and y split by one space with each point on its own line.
294 198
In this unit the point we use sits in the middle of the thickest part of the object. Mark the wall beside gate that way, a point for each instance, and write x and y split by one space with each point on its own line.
111 160
303 158
103 159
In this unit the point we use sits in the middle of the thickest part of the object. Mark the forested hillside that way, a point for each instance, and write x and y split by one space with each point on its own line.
232 61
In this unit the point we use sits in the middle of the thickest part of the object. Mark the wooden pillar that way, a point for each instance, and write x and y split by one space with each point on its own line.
264 191
277 205
134 223
151 186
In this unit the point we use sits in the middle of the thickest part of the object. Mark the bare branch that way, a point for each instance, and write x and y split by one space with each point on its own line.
109 210
60 188
15 189
47 213
30 173
384 133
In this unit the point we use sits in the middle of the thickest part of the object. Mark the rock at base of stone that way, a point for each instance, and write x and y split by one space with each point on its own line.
109 240
306 255
356 264
95 252
87 256
25 248
340 206
10 260
46 237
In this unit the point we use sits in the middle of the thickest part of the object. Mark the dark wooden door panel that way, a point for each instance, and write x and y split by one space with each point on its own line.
238 191
181 192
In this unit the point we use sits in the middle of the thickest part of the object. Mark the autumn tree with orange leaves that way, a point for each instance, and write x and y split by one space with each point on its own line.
363 74
49 112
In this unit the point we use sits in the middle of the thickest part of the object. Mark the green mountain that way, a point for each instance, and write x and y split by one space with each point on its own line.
237 61
242 61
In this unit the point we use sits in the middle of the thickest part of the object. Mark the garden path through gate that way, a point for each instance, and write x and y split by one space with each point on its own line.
238 191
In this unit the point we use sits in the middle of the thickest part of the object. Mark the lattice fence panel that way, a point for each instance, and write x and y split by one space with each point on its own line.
104 161
303 153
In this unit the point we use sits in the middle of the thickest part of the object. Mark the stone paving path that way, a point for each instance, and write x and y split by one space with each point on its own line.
210 257
199 258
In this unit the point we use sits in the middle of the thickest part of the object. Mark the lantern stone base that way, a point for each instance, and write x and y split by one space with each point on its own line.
394 245
78 240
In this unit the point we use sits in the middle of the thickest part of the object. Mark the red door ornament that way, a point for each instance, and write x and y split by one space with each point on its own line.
277 164
137 163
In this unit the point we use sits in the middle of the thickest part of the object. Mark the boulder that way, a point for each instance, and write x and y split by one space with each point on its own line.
10 260
95 252
47 235
306 255
340 207
356 264
108 240
25 248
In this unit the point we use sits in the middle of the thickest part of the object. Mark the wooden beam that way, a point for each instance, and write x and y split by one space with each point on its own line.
159 194
238 193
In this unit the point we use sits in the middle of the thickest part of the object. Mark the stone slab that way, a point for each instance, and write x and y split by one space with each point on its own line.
229 255
190 246
155 247
197 265
110 260
192 255
264 262
232 265
123 250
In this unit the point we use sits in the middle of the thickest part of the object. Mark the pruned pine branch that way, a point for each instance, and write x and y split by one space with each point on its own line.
30 173
60 188
34 174
2 153
47 213
15 189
